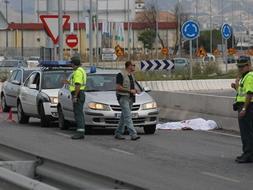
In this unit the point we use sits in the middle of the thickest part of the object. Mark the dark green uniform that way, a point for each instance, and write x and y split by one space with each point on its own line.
78 77
246 122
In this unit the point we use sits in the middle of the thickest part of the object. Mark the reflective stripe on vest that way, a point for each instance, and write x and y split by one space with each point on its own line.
241 92
72 82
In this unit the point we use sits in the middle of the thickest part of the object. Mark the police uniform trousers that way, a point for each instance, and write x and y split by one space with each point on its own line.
78 112
246 130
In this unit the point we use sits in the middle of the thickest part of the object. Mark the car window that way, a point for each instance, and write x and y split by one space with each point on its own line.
179 61
18 76
54 80
26 74
33 79
13 75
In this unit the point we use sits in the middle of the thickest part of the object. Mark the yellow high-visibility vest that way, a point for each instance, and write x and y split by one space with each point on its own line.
245 86
78 76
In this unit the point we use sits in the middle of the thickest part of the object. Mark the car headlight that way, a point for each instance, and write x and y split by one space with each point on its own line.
98 106
54 100
150 105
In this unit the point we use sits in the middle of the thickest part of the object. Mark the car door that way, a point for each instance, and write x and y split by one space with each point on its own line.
65 99
29 93
15 87
8 89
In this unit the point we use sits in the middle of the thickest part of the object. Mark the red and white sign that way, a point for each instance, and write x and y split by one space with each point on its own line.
71 40
50 23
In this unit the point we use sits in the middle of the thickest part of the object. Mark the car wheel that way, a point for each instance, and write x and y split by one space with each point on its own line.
150 129
63 124
3 104
44 120
22 118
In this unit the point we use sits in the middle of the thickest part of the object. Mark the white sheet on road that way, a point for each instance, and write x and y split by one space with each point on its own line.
192 124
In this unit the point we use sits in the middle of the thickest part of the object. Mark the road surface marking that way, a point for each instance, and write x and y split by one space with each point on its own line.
220 177
122 151
62 134
225 134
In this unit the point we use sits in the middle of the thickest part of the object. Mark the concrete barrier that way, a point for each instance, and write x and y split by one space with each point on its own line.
181 106
188 85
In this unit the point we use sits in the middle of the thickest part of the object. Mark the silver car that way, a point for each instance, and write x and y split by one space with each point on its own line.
101 107
38 96
10 88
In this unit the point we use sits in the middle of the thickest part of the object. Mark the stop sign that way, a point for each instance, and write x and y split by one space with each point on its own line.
71 40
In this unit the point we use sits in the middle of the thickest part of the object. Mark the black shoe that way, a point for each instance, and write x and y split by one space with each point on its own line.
135 137
243 159
119 137
77 136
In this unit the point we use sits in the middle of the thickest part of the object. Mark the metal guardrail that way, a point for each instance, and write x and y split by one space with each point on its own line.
55 174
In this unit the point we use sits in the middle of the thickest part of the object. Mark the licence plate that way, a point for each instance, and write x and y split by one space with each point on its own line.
134 115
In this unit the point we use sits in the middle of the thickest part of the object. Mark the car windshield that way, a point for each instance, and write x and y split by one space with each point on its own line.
101 82
179 61
54 80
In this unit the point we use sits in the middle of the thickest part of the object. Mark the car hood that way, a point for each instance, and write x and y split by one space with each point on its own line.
51 92
109 97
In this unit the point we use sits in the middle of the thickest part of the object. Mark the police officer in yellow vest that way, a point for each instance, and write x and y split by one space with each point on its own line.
77 85
244 106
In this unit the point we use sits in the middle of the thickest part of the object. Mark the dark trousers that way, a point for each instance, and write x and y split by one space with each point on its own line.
78 112
246 130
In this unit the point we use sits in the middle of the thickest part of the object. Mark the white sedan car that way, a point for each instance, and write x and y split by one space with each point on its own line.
101 107
38 96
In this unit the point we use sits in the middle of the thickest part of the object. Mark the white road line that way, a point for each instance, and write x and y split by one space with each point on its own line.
62 134
122 151
220 177
225 134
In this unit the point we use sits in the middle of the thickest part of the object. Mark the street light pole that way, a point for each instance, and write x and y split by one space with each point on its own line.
60 28
22 34
128 31
90 36
6 17
211 29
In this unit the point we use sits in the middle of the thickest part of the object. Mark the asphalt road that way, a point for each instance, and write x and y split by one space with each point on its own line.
190 160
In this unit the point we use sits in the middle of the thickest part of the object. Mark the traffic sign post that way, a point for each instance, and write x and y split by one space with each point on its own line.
71 40
226 32
50 23
190 31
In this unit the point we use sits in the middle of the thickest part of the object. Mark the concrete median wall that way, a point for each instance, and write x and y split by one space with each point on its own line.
188 85
182 106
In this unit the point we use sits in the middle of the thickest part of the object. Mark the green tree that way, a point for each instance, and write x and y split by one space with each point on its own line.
147 37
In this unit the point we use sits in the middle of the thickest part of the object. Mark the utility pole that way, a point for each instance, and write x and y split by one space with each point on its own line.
179 27
6 17
60 28
197 39
90 36
97 48
211 29
128 31
157 20
22 34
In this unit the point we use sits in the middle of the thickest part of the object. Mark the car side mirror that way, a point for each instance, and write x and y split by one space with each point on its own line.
146 89
33 86
16 82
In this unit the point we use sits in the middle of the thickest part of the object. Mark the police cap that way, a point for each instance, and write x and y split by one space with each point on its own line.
75 60
242 61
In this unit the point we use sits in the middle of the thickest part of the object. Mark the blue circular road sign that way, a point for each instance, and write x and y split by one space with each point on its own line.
190 30
226 31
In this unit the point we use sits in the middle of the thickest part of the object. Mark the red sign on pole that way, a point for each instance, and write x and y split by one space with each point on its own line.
71 40
50 23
